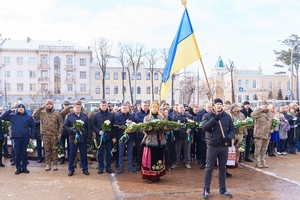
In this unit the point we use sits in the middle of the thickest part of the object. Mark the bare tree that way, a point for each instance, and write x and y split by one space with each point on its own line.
102 48
152 58
231 70
135 52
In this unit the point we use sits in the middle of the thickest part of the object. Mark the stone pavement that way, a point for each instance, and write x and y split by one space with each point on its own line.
280 181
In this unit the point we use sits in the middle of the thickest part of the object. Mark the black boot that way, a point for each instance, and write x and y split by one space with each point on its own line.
206 193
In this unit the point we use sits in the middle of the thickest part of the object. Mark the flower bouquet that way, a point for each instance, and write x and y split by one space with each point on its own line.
60 149
90 149
125 136
244 124
243 145
5 130
78 126
105 127
274 123
30 147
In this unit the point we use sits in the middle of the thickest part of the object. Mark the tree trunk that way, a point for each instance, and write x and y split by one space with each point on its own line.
152 85
123 92
297 82
129 81
103 83
232 86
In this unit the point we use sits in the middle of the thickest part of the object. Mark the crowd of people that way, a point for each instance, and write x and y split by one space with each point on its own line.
75 127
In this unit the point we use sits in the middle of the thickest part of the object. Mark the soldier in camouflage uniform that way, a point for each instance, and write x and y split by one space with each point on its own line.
262 132
51 126
240 132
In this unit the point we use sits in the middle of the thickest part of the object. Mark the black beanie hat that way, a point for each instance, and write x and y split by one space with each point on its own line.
218 100
246 103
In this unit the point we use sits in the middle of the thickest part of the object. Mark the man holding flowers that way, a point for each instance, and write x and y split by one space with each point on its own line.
78 126
51 127
102 125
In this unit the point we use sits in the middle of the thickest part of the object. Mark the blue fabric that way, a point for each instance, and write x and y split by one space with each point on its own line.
122 146
83 156
39 149
280 146
108 148
63 140
120 119
20 148
97 121
275 137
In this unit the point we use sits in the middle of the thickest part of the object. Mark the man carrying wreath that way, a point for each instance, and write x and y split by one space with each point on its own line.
78 126
102 125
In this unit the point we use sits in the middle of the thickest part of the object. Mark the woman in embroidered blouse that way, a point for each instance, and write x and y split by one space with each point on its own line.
153 164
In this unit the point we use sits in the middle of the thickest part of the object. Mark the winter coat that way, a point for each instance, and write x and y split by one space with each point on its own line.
293 133
181 133
284 127
120 119
38 135
22 125
69 109
51 123
262 123
212 129
139 118
199 119
97 121
238 116
153 138
86 128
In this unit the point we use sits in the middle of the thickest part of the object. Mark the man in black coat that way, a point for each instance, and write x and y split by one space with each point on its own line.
99 118
139 118
215 123
247 112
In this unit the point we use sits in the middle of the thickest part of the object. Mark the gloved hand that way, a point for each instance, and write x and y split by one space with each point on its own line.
217 116
226 140
74 130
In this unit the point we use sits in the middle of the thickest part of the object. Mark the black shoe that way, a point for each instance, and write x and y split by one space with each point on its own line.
11 160
117 166
12 163
202 167
39 161
7 156
138 168
85 172
159 180
110 171
18 171
70 173
206 193
228 175
132 170
226 193
248 160
25 171
2 165
149 181
100 171
61 162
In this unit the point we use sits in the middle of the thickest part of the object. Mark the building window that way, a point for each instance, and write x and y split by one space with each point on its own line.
115 89
240 83
70 87
148 90
254 84
97 90
124 89
69 62
44 61
270 85
279 85
7 73
32 61
107 75
19 60
8 86
138 76
148 76
262 85
82 74
156 90
20 87
132 90
138 90
115 75
132 76
32 87
82 62
97 75
155 76
57 78
19 74
247 84
288 85
6 60
239 98
32 74
107 90
44 86
123 75
247 98
82 87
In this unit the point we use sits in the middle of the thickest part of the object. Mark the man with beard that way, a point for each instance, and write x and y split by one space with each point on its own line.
180 135
139 118
247 112
215 124
51 127
98 119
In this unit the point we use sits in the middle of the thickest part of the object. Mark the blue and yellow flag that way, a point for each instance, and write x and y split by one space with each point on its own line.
183 51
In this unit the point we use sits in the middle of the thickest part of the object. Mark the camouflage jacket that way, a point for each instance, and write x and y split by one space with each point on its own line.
262 123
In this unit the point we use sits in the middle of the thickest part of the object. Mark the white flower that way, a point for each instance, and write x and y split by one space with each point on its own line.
80 121
107 122
61 155
30 150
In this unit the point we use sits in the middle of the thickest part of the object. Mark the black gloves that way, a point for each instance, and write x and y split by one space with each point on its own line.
226 140
217 116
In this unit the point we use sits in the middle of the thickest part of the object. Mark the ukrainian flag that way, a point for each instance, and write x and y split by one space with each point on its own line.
183 51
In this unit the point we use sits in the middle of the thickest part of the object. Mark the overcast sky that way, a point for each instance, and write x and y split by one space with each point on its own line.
245 32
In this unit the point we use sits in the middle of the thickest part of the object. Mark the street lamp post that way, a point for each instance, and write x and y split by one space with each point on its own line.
291 81
5 93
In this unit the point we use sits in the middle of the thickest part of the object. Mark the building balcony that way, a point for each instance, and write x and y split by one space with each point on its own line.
69 67
42 66
70 80
44 79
